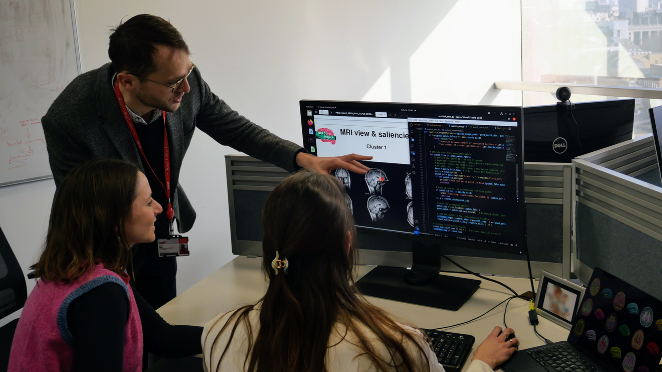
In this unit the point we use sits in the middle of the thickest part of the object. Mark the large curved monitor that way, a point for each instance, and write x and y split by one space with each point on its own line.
440 175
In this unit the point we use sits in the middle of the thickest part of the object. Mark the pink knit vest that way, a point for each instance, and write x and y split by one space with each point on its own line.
43 342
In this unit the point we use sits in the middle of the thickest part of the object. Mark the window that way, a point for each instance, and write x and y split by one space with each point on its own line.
579 42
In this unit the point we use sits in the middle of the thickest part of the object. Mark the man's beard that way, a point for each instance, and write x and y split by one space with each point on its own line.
150 101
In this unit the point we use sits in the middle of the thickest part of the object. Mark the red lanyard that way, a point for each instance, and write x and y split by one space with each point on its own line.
166 150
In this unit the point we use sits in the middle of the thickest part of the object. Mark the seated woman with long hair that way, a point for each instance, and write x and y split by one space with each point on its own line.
83 314
312 318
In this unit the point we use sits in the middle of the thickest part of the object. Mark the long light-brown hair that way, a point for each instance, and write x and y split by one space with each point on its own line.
306 219
87 221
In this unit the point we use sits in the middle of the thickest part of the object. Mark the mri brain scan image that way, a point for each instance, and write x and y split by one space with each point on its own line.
408 186
349 203
375 179
410 213
377 206
343 176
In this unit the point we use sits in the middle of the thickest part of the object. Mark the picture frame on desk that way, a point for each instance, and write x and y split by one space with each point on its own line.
558 299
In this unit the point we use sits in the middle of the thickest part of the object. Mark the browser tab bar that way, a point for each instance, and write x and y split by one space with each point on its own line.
463 122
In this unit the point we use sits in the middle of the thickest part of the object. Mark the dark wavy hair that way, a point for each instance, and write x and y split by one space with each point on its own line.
87 221
306 219
133 43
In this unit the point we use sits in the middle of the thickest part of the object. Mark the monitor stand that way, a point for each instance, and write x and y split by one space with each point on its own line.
420 285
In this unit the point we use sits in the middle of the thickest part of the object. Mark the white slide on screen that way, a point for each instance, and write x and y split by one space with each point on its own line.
385 139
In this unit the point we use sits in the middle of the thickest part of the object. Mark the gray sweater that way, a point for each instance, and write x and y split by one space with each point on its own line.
85 123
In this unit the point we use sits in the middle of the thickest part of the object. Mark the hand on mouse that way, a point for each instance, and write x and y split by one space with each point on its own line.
496 349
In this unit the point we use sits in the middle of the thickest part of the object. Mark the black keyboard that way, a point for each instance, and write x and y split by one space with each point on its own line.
561 358
452 349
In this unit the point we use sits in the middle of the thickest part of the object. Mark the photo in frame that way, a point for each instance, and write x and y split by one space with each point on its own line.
558 299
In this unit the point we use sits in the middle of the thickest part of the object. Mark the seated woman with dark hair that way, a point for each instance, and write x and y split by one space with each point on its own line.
83 315
312 318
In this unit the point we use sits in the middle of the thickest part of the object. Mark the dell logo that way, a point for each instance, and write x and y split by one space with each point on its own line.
560 145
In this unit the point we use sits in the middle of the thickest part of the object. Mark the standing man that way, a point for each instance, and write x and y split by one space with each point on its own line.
144 107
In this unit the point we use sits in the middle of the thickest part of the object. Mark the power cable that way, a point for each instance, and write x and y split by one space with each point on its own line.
541 336
504 314
478 317
480 276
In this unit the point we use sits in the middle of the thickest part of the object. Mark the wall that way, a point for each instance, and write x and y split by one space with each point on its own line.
262 57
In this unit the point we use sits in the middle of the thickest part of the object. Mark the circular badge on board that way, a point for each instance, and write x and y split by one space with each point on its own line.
559 145
611 323
646 317
603 344
587 307
629 362
638 340
579 327
595 286
619 301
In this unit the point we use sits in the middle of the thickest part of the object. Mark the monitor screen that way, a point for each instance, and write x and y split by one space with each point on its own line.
438 171
557 134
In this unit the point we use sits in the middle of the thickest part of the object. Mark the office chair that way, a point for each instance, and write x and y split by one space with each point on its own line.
13 293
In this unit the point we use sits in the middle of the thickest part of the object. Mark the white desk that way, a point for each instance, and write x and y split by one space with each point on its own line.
241 282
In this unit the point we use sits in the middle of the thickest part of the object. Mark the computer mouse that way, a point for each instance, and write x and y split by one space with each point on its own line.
509 337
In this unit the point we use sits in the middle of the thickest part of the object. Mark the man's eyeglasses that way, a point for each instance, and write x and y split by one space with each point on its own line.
177 84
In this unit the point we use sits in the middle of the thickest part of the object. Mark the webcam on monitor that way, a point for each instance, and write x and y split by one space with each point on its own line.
563 94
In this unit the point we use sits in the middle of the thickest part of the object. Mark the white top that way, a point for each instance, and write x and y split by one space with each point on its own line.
343 356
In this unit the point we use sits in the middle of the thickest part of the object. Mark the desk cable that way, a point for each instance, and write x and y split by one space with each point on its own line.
504 313
532 309
533 320
507 300
479 316
570 108
541 336
480 276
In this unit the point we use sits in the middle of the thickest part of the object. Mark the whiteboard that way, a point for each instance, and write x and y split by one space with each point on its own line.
38 58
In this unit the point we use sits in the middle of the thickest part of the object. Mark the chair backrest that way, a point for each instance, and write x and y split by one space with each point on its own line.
13 290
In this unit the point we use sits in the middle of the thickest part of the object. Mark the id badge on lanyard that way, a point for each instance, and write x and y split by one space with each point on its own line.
174 245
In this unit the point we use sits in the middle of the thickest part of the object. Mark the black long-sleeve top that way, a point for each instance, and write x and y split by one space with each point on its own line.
97 320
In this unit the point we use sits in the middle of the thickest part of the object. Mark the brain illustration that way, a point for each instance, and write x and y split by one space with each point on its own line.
606 293
619 301
591 335
410 213
377 206
646 317
375 179
349 203
408 185
326 135
343 176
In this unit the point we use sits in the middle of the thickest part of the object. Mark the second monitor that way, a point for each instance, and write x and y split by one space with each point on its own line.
441 174
558 133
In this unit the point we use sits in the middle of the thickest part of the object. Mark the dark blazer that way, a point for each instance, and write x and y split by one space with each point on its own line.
85 123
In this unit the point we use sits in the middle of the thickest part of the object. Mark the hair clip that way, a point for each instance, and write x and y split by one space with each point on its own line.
279 264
